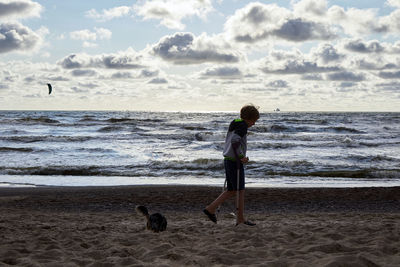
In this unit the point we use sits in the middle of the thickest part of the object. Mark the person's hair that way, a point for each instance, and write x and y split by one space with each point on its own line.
249 112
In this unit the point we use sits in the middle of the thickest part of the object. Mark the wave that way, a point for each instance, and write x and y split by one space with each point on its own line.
204 168
16 149
280 128
42 119
108 129
50 138
342 129
358 174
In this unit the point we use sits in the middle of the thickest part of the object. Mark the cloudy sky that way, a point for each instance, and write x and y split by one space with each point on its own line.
200 55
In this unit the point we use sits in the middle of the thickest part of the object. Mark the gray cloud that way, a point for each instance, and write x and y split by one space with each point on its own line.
364 47
122 75
300 67
278 84
19 8
108 61
328 53
258 22
158 81
79 90
299 30
222 72
312 77
389 74
390 87
17 37
29 79
346 76
89 85
370 65
148 73
347 84
83 72
180 49
58 79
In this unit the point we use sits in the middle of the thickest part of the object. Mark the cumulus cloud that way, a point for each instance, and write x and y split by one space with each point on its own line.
143 74
299 30
259 22
278 84
393 3
361 46
310 8
97 34
389 74
299 67
158 81
292 62
346 76
355 21
148 73
185 48
17 37
123 60
80 72
19 9
222 73
312 77
122 75
392 22
172 12
109 14
327 53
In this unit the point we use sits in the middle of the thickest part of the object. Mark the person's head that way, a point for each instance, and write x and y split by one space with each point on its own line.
249 113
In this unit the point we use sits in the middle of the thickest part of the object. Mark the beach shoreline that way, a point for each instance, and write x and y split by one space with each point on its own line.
97 226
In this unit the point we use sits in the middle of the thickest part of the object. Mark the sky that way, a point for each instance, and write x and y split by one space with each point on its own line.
200 55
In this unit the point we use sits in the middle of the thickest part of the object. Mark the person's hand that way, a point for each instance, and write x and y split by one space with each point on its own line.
244 160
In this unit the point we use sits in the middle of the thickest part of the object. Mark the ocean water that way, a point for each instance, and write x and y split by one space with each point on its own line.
82 148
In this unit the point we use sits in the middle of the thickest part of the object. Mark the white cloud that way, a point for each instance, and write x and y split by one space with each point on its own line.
129 59
356 22
392 22
172 12
292 62
348 76
224 72
109 14
326 53
87 35
12 9
83 35
185 48
87 44
310 8
259 22
394 3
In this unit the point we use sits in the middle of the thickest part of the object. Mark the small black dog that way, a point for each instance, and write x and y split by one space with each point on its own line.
155 222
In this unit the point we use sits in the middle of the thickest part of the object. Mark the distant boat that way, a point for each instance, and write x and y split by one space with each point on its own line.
277 110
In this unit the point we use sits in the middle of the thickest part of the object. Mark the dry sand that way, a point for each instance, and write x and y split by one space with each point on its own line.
56 226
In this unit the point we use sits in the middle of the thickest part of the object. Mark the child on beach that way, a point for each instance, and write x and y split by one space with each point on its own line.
234 158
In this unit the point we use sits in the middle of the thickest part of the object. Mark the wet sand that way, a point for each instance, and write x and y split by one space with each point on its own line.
98 226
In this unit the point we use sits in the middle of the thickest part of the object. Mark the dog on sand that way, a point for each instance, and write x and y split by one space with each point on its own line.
156 222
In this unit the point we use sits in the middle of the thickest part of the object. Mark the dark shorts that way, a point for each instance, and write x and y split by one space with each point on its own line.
231 175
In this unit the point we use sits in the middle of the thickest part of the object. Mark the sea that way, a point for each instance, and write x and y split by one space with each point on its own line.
112 148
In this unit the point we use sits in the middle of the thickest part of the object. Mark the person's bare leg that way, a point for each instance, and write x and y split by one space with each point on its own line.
219 200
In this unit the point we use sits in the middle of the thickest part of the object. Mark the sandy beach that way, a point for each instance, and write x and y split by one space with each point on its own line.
98 226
